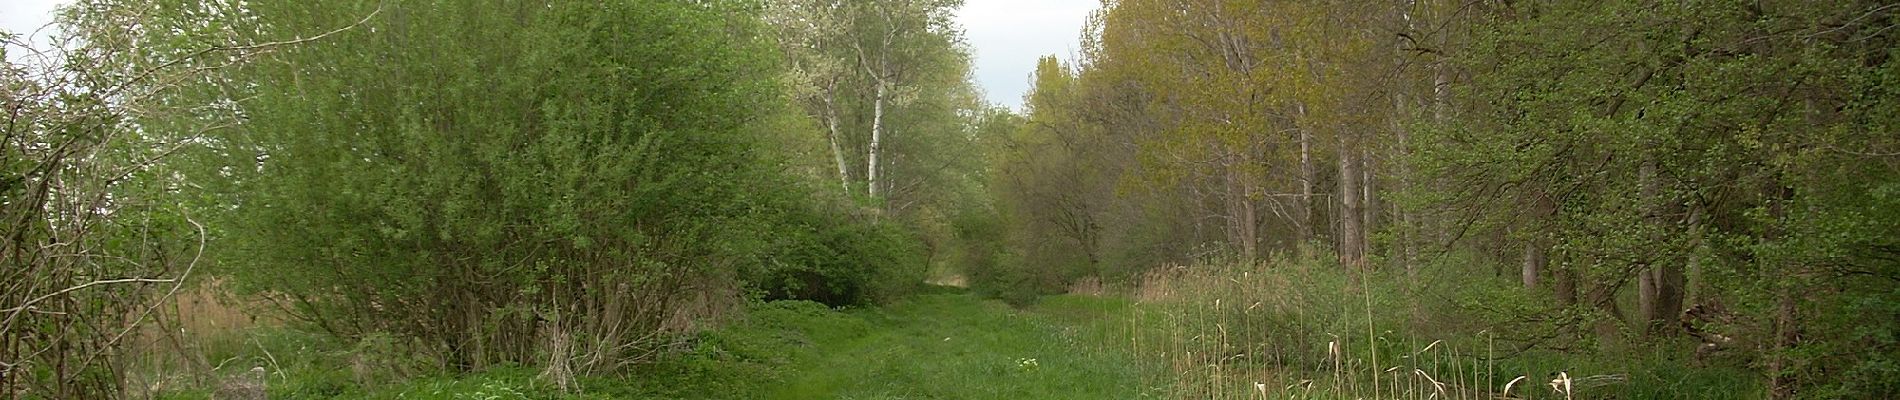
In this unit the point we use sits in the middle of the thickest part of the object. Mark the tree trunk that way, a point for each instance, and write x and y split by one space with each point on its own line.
1240 215
1781 381
1369 183
1661 299
837 151
1401 90
1692 282
1537 245
1603 297
1305 226
877 137
1646 296
1405 250
1352 253
1659 282
1534 260
1431 229
1647 290
1565 287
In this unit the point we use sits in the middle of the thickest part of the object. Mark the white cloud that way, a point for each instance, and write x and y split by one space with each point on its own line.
1009 35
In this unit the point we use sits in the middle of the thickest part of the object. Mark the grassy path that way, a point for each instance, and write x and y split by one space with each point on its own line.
942 344
956 346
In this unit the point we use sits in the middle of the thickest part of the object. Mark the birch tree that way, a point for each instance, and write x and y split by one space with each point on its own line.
809 36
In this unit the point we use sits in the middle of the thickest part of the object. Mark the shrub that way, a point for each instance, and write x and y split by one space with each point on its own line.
504 183
842 261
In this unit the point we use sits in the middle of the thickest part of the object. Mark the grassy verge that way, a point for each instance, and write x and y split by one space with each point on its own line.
942 344
1307 330
1294 333
951 346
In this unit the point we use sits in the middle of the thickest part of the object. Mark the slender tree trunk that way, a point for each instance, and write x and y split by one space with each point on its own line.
1369 181
831 126
1240 214
1659 295
877 137
1786 328
1534 260
1537 246
1565 287
1404 251
1307 176
1430 229
1603 297
1351 226
1781 381
1692 283
1647 305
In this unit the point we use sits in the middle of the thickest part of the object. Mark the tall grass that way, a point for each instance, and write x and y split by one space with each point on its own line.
210 342
197 339
1290 328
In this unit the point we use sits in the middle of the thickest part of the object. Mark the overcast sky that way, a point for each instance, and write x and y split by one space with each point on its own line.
1009 35
25 17
1006 35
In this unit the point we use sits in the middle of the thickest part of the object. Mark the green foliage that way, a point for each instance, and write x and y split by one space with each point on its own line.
472 199
482 180
856 262
1653 141
91 235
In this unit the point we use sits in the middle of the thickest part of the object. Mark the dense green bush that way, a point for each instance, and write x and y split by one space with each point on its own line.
842 260
991 269
517 182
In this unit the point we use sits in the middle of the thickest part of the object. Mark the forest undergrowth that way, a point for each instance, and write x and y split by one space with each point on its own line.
1306 329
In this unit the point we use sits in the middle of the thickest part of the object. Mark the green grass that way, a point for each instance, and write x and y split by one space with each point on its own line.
942 344
946 344
952 346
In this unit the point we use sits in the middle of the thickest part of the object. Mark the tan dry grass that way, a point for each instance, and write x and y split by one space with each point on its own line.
1210 327
951 280
170 349
1090 286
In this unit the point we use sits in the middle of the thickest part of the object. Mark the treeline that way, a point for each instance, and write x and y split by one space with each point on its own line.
571 186
1579 176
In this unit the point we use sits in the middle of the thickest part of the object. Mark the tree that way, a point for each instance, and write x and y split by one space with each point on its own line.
890 42
93 234
488 179
809 33
1628 131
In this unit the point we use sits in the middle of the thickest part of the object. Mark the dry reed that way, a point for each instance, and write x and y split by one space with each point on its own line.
1288 330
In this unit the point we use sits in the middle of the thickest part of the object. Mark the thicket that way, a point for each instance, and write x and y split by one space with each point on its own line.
91 239
1708 180
572 187
569 186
